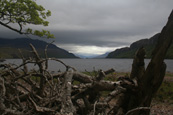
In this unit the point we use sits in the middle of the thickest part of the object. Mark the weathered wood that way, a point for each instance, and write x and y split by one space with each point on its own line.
138 66
155 72
67 105
2 87
59 94
82 77
149 80
137 109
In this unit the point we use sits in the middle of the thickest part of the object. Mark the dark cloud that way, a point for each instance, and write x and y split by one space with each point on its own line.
98 38
103 23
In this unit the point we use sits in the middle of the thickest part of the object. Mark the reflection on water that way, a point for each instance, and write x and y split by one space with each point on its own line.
120 65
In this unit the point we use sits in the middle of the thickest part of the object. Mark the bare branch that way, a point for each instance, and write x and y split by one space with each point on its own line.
137 109
9 27
40 109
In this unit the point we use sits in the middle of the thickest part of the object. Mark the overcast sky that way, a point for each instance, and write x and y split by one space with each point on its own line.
92 27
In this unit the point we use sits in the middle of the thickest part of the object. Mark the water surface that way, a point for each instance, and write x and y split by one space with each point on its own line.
120 65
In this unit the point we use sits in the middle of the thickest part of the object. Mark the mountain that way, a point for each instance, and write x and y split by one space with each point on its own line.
9 48
102 56
148 44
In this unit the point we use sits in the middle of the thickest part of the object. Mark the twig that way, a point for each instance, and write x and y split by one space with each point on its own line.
67 66
24 60
46 56
35 52
40 109
137 109
95 107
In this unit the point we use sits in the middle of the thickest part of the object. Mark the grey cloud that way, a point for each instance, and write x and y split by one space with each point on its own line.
98 38
110 23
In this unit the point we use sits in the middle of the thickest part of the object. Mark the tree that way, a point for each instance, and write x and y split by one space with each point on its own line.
23 13
148 81
57 94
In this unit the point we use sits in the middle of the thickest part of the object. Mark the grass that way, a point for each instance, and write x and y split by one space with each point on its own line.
169 74
165 93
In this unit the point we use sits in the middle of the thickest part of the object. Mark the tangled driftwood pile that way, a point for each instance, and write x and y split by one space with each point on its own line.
24 91
39 91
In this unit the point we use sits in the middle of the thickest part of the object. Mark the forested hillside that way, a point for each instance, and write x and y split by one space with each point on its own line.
148 44
9 48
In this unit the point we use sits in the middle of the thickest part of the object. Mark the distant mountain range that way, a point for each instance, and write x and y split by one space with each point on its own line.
148 44
93 56
102 56
9 48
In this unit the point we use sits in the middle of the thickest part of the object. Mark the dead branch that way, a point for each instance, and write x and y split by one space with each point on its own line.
71 92
40 109
60 92
137 109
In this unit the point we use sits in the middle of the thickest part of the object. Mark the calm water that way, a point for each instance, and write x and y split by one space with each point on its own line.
120 65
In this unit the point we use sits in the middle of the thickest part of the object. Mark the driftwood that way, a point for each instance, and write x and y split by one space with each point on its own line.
40 92
37 92
26 91
148 80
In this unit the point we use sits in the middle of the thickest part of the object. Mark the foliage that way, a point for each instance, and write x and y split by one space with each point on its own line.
22 13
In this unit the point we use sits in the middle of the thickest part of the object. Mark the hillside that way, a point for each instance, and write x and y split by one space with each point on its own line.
102 56
9 48
148 44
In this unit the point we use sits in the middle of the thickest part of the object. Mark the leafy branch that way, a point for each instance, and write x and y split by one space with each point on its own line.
23 13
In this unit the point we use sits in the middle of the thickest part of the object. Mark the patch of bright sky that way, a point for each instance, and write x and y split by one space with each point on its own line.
87 50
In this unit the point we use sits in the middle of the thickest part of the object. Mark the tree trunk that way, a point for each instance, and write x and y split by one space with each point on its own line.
149 80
